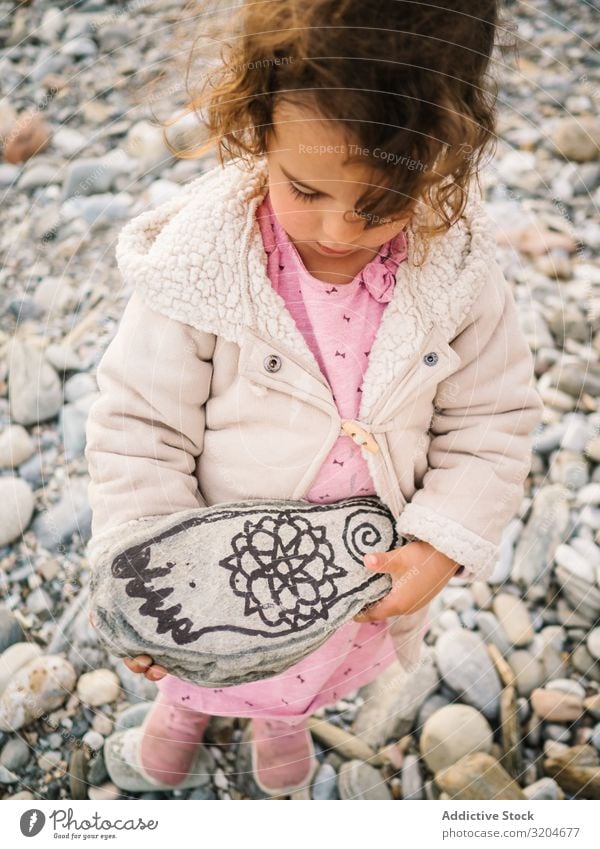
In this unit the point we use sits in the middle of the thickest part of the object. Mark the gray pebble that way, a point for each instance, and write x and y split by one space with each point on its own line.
15 754
593 643
16 446
78 386
545 788
16 498
492 631
35 391
97 773
467 668
31 471
324 785
55 526
86 177
10 630
38 601
412 779
203 793
6 776
72 422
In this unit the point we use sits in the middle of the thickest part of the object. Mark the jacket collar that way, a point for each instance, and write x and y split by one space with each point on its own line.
199 258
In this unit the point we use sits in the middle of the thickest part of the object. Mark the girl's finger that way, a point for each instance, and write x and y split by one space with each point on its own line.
385 561
155 673
368 613
140 663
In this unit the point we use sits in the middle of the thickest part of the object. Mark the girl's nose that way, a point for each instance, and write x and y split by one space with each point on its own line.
339 233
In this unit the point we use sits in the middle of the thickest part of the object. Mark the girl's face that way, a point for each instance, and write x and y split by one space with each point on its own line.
314 195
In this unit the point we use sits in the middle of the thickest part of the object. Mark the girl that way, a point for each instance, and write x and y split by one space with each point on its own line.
321 316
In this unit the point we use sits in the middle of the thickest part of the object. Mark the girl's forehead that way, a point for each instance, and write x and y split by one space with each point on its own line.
303 137
292 119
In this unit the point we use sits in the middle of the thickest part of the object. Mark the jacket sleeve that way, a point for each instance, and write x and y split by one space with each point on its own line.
481 437
146 428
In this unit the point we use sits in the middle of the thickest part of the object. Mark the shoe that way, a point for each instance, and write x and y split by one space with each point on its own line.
283 755
165 752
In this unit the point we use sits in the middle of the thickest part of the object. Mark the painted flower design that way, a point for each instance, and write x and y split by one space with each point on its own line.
283 567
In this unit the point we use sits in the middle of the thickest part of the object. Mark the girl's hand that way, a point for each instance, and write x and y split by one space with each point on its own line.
141 663
419 572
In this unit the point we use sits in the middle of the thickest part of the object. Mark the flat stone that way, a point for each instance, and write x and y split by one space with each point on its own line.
585 663
478 776
593 643
88 176
106 792
393 699
582 595
566 685
577 770
132 716
14 658
226 644
528 671
577 138
577 565
452 732
15 754
35 390
492 631
466 666
514 618
97 773
412 779
62 358
10 630
592 705
16 498
482 595
348 745
358 780
556 705
16 446
544 789
6 776
324 786
71 514
532 566
41 685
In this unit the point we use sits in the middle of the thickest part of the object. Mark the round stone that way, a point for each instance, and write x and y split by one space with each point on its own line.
15 754
98 687
593 643
451 732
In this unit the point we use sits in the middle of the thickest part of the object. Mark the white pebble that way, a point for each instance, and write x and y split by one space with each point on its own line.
98 687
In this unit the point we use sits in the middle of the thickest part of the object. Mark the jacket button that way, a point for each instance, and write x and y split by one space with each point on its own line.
272 363
430 359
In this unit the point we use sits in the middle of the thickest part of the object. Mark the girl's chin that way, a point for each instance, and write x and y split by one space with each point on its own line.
320 249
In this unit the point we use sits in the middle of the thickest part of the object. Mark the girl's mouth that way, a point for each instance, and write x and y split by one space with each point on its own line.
337 253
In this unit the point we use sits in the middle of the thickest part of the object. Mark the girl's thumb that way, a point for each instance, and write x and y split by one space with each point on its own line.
379 561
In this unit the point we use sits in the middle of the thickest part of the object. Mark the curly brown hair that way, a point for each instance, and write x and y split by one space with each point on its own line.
403 77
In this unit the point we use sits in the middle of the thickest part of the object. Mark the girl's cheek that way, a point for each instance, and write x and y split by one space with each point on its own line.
296 222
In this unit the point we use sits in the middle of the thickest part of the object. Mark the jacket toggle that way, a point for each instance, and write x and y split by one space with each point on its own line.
360 434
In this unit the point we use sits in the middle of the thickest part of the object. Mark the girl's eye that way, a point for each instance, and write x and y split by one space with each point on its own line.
302 195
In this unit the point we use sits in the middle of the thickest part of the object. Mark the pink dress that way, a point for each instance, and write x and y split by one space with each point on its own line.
339 323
